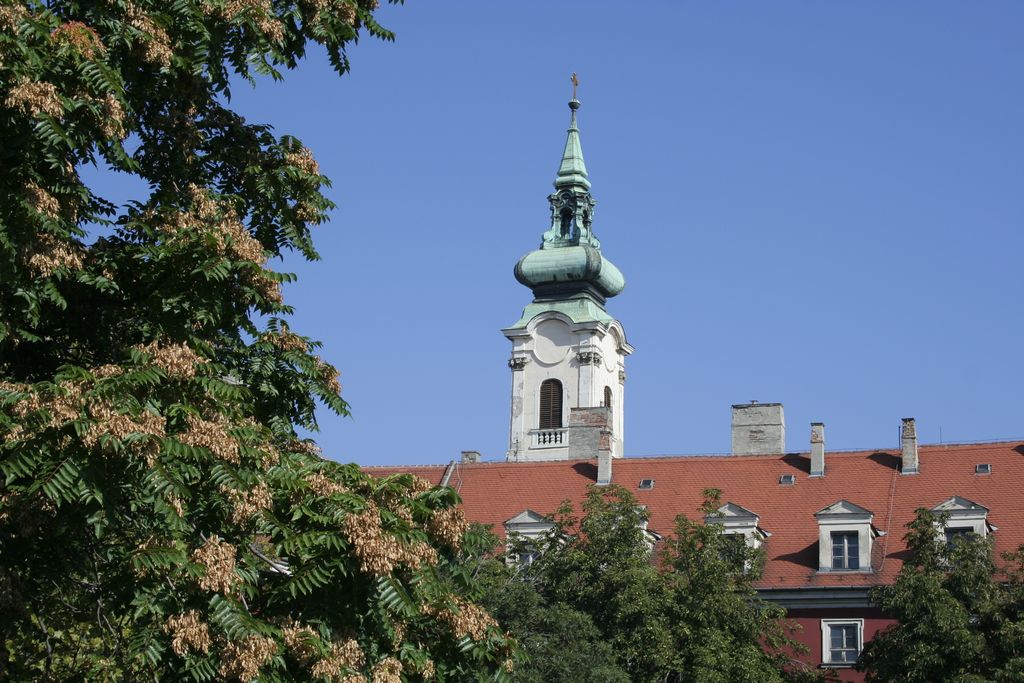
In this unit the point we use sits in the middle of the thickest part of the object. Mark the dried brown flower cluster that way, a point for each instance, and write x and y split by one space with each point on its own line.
108 370
307 447
188 633
270 456
62 406
428 670
260 12
420 485
403 512
107 421
80 37
465 619
387 670
213 436
346 12
233 239
328 375
218 557
378 551
221 220
174 500
240 242
242 659
286 340
342 663
51 254
300 641
420 554
269 289
303 160
10 15
307 213
399 628
176 360
42 201
247 503
157 46
448 526
112 122
324 486
35 98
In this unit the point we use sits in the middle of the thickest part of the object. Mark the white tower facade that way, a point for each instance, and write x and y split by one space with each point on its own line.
568 353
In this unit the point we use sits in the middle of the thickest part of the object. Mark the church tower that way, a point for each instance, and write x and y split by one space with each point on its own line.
568 353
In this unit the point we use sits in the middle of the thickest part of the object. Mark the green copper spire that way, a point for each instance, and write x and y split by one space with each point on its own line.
569 269
573 171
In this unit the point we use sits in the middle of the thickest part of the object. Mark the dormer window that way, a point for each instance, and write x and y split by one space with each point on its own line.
650 537
739 521
845 534
956 534
845 550
524 534
964 518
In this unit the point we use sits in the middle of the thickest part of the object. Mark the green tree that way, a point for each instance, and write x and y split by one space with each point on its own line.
159 516
557 642
686 613
721 630
959 617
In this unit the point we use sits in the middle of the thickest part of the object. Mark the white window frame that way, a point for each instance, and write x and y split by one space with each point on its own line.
736 520
962 514
847 557
845 516
528 527
826 641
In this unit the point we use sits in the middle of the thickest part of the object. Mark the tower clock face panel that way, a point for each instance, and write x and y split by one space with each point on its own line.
552 341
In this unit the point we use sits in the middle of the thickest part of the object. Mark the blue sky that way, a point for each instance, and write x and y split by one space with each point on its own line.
817 203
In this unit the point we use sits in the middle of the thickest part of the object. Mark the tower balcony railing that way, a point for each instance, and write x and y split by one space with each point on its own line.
549 438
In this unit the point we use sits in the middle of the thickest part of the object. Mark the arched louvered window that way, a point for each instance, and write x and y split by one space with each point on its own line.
550 404
607 397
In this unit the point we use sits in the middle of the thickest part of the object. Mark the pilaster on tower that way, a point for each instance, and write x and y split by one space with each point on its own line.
568 352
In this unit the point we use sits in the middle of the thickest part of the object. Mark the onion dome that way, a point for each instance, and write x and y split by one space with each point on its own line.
569 263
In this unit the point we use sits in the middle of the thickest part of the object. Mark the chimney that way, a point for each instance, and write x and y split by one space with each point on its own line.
908 442
470 456
590 436
817 449
758 429
604 468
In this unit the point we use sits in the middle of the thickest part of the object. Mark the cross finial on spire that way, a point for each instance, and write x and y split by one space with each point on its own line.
575 84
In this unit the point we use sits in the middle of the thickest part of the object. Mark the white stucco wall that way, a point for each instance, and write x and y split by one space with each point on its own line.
584 357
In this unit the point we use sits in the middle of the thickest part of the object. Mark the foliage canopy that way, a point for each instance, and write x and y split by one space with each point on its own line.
687 612
159 516
960 617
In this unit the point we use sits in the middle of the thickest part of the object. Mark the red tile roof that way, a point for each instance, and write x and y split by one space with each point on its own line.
495 492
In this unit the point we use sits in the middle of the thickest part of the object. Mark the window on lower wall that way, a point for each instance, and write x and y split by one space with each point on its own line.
841 641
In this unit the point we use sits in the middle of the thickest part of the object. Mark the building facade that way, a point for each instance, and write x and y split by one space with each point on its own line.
831 525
